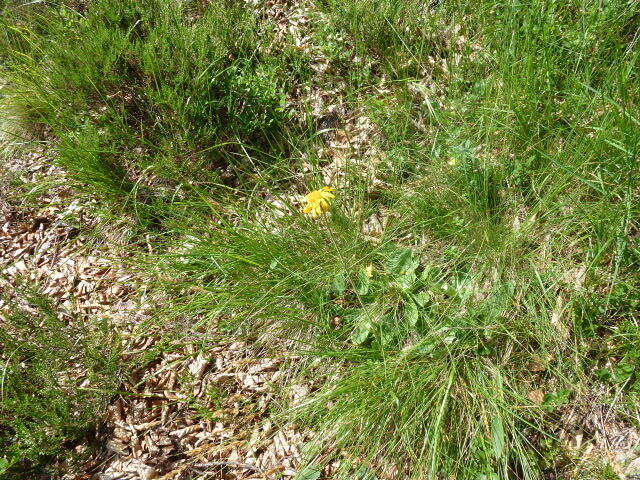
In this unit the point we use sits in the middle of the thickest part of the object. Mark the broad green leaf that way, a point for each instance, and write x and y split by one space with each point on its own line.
411 313
557 398
425 347
449 289
407 280
435 339
623 372
363 324
449 338
497 437
604 374
364 473
421 298
401 260
362 285
386 330
491 476
361 333
340 283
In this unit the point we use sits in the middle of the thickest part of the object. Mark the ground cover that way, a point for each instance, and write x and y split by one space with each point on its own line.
407 231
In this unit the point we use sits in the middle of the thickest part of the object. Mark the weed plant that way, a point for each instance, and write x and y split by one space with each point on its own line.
55 382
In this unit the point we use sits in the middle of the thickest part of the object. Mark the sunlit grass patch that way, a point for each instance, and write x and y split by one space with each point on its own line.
151 96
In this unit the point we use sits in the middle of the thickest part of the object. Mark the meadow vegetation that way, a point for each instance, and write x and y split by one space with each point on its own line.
505 177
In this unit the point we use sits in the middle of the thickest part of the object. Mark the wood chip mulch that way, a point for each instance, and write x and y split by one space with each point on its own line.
188 413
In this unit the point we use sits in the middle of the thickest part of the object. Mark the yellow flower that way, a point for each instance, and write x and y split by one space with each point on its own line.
369 271
318 202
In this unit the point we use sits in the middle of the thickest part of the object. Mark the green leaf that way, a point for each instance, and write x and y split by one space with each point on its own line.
491 476
604 374
623 372
411 313
557 398
4 465
364 473
401 261
448 289
497 436
363 282
363 325
361 333
386 330
435 339
340 283
421 298
407 280
309 473
425 347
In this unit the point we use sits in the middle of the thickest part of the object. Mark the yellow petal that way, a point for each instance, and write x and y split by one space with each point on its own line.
313 196
318 201
327 195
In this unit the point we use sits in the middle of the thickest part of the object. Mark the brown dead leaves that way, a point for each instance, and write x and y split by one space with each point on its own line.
195 412
186 413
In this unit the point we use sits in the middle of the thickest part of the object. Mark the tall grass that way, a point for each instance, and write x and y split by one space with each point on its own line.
147 96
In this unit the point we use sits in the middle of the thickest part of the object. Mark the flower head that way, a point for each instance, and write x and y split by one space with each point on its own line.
318 202
369 270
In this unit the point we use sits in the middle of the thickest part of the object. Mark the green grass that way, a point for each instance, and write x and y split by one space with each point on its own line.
508 176
55 382
146 98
